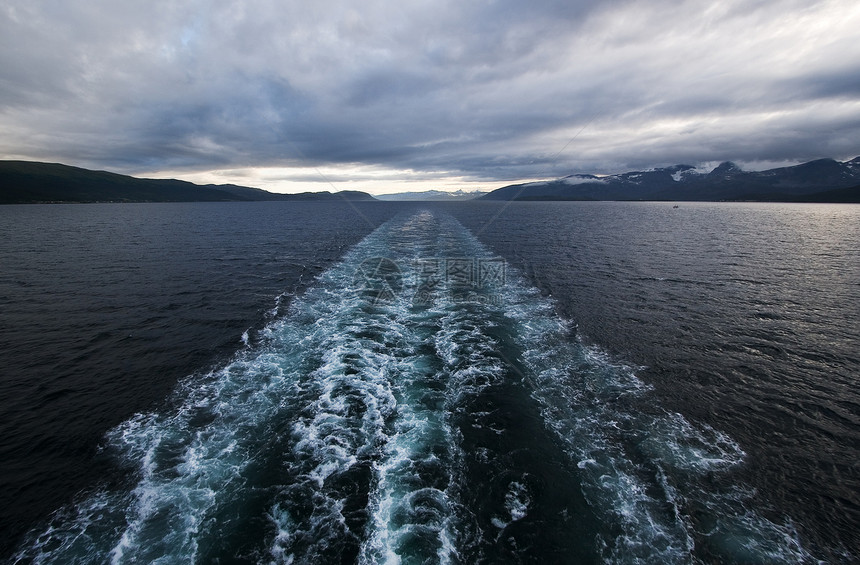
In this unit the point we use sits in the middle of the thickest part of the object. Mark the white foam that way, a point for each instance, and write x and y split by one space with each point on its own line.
517 501
638 466
280 518
354 386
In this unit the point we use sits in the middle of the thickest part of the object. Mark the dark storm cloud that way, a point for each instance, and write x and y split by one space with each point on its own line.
484 90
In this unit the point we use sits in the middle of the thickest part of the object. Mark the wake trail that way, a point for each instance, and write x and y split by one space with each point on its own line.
420 403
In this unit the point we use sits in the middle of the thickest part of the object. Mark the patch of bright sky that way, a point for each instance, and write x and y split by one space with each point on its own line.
373 180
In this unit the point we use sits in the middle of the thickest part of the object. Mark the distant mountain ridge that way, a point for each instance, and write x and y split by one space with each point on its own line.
432 195
822 180
25 182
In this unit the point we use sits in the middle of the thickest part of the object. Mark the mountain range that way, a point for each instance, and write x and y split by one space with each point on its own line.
432 195
24 182
822 180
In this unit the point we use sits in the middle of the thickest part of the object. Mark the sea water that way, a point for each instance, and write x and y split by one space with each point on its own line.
458 384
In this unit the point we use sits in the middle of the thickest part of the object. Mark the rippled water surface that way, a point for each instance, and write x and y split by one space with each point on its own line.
537 382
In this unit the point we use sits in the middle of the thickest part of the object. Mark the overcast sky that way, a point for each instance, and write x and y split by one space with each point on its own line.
413 95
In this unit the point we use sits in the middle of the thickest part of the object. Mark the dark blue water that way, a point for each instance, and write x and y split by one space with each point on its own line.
539 382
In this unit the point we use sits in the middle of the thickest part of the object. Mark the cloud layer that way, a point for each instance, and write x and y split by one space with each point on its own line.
439 92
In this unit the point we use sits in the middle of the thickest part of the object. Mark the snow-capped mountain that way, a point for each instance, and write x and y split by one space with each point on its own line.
684 182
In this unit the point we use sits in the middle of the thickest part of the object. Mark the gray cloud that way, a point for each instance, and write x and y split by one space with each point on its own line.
485 91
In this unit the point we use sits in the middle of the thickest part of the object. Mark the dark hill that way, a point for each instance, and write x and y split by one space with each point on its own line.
25 182
842 195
